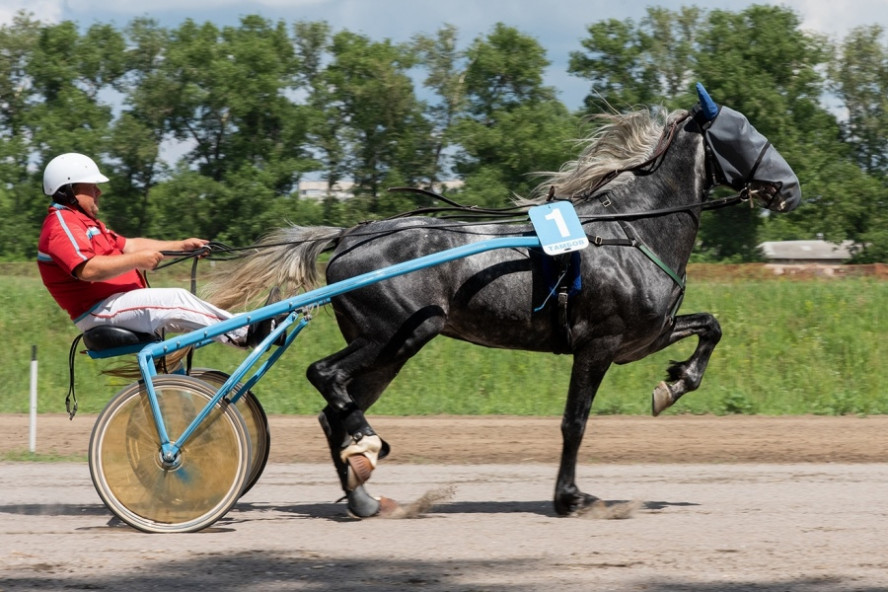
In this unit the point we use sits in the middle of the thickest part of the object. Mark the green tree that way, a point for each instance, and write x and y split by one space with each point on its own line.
21 205
631 66
138 133
270 126
857 203
69 71
324 117
513 125
207 131
369 82
445 66
228 93
68 74
860 80
760 62
757 61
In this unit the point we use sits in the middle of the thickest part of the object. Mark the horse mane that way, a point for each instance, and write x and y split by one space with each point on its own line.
618 142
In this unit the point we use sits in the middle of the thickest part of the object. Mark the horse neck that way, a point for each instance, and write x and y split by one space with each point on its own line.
679 180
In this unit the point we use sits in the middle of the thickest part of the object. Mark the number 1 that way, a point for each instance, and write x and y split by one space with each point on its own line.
559 222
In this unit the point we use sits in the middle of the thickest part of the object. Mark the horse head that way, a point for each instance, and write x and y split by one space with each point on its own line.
742 157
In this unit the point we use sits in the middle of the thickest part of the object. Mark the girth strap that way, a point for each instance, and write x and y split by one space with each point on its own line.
632 240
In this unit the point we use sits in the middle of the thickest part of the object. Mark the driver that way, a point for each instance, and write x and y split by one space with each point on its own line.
96 274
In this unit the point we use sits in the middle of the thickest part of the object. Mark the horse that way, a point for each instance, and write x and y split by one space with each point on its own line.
638 187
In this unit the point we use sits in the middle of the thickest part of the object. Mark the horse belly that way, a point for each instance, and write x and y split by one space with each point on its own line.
501 318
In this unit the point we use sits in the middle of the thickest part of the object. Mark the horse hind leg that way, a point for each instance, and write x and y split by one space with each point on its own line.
684 377
356 450
356 468
351 381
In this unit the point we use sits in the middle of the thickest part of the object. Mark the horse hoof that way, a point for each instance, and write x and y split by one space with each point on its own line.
661 399
574 504
359 470
362 505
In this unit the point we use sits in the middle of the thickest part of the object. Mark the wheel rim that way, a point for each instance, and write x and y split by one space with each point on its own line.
254 418
190 493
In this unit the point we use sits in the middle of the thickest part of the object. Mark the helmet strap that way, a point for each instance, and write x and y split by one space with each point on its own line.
65 196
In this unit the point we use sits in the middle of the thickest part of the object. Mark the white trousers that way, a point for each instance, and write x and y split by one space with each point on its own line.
151 309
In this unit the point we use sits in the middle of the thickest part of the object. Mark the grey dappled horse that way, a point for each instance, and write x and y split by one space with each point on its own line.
638 187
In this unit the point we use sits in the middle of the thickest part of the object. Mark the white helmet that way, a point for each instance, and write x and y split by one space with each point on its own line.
70 168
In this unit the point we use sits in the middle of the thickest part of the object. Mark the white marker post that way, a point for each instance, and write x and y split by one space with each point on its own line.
33 438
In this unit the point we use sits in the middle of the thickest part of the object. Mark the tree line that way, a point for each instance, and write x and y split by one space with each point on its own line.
207 131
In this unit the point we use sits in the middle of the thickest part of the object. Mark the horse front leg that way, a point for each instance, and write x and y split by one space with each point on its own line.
686 376
588 371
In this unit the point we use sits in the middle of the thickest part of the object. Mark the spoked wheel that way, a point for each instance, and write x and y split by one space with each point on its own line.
187 493
255 418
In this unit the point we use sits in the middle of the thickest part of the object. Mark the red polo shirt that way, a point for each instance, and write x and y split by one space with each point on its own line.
68 238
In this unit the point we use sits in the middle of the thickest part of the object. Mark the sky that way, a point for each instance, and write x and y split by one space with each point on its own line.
558 25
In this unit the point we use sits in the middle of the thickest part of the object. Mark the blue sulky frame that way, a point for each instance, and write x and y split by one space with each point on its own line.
298 308
557 228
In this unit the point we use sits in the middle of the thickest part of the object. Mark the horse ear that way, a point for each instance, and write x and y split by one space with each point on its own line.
710 109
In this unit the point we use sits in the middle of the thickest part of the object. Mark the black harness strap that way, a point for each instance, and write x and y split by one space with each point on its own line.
71 399
561 274
632 240
566 261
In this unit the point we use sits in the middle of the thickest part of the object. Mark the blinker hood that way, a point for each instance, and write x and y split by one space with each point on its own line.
745 155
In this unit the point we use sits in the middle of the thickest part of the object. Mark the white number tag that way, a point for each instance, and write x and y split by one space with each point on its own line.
558 228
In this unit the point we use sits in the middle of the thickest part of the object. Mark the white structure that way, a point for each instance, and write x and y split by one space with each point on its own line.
343 189
319 190
807 251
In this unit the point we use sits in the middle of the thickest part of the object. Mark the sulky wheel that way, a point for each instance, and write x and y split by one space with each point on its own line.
186 493
254 416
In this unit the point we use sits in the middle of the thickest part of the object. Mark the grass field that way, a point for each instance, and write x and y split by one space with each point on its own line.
789 347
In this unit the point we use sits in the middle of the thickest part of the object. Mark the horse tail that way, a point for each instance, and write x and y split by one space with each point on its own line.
166 364
286 257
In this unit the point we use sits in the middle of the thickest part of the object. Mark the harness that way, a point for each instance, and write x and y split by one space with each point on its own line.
631 238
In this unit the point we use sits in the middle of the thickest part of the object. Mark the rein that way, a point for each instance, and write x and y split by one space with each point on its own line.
475 212
663 145
508 215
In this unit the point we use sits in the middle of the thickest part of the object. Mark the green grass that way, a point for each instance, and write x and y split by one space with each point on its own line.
26 456
789 347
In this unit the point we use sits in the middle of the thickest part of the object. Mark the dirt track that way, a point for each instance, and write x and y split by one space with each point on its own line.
714 504
609 439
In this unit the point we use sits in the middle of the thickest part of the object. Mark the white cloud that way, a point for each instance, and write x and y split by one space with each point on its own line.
47 11
195 6
836 18
399 19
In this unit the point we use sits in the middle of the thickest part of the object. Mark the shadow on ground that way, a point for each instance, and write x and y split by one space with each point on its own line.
303 570
245 512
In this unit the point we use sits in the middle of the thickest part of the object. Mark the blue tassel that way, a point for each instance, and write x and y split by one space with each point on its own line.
710 109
